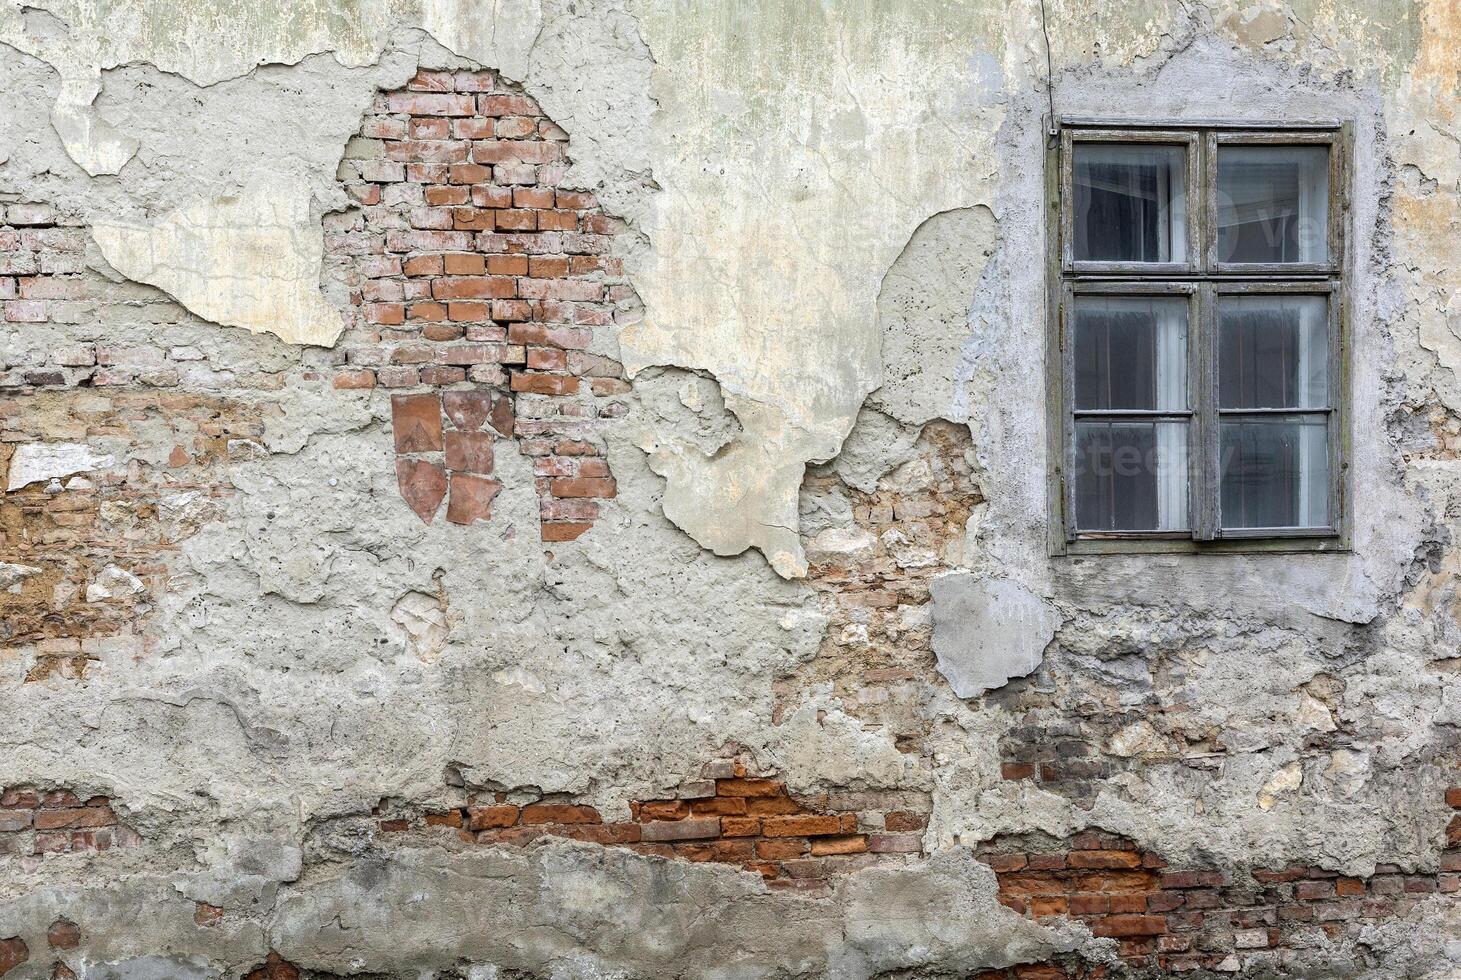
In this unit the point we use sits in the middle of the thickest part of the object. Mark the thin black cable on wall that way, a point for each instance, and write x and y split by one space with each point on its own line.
1049 70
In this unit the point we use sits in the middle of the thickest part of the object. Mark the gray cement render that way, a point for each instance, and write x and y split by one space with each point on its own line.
283 700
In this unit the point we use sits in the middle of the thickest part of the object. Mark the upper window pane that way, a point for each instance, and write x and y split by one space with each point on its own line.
1130 202
1273 352
1130 352
1273 204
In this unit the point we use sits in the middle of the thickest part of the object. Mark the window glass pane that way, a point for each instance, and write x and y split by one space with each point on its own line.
1130 352
1273 204
1130 203
1131 476
1273 352
1275 472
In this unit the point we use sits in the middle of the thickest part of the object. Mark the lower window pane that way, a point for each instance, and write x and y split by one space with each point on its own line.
1131 476
1275 472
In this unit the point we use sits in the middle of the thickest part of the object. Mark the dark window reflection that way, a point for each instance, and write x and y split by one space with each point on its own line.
1130 203
1275 472
1273 352
1131 476
1273 203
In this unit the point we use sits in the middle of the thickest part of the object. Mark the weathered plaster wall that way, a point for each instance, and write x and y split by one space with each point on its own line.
260 718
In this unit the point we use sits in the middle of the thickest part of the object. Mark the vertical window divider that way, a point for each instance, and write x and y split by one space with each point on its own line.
1208 476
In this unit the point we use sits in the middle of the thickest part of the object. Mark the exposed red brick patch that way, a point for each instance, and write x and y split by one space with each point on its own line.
63 934
13 952
478 277
274 967
37 822
1189 919
207 915
423 485
797 843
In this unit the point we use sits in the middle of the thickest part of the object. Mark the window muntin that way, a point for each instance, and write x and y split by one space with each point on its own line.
1202 390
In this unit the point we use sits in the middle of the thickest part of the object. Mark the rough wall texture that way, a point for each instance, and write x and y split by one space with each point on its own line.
556 489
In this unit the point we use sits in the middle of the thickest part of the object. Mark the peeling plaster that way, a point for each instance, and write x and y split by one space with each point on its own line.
251 260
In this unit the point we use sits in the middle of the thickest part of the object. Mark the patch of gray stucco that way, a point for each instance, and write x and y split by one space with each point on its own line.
986 631
924 311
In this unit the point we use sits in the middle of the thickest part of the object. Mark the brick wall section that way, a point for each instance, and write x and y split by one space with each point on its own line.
36 822
120 522
1177 921
479 283
41 258
876 653
726 817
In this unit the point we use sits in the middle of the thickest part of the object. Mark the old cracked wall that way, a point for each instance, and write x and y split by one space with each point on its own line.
558 489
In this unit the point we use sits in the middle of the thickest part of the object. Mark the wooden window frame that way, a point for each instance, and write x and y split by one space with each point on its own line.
1204 280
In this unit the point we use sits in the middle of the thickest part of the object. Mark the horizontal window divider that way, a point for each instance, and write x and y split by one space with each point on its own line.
1133 535
1275 411
1303 280
1200 122
1233 533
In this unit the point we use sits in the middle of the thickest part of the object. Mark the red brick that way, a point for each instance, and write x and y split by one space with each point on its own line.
1308 891
780 850
1453 797
205 915
63 934
355 379
449 818
1104 859
664 810
469 410
740 826
13 952
575 487
1194 879
74 817
575 199
492 817
422 265
1089 905
844 844
507 105
471 497
801 825
416 423
422 485
1128 903
432 81
743 787
1043 905
693 828
469 173
432 104
558 531
544 384
1005 863
507 265
443 196
1349 886
1116 926
537 813
469 452
473 287
1047 862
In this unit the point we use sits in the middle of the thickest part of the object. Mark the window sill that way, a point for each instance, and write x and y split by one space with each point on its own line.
1186 546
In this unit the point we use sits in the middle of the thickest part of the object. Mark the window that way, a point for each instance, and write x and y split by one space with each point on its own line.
1197 377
